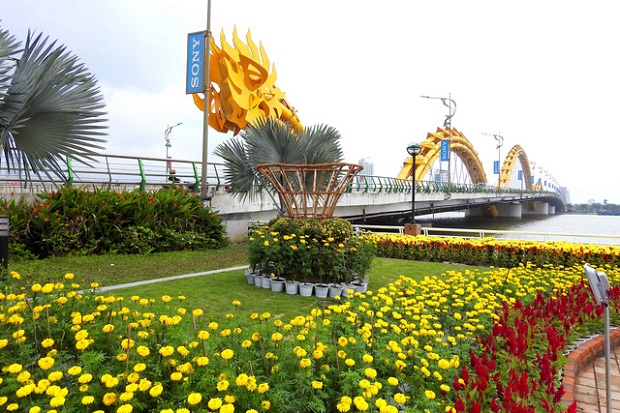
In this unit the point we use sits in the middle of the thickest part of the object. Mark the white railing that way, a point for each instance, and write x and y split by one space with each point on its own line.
484 233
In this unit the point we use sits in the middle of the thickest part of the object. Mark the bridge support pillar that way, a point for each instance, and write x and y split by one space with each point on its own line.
537 208
509 210
413 229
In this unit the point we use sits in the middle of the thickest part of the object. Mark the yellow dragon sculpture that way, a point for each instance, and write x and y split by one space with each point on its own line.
242 88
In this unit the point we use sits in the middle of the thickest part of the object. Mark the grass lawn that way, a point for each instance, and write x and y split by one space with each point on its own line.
213 293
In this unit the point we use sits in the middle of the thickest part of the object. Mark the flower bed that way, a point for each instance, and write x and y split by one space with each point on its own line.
490 251
308 250
464 341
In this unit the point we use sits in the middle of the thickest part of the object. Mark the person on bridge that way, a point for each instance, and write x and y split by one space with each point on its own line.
173 178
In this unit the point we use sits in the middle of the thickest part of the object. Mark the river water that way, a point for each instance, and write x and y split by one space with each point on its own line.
552 224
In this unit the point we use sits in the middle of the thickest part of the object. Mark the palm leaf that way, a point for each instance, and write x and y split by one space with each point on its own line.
51 110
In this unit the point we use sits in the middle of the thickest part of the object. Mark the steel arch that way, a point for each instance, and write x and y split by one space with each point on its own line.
515 153
431 149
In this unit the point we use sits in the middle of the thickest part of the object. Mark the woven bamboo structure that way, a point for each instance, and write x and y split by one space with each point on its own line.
309 190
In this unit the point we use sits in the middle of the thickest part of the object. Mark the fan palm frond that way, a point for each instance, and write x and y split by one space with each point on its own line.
51 110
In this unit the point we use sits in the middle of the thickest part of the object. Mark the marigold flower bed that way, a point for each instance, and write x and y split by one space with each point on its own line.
465 341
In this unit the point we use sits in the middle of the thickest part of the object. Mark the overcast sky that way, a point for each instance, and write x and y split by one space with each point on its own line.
543 74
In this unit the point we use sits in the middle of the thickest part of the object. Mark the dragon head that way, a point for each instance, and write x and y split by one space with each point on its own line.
242 88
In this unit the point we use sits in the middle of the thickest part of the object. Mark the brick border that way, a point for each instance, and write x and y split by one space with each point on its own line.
582 356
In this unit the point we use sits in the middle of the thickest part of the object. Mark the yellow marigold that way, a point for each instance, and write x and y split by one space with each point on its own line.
144 385
156 390
222 385
317 384
45 363
263 388
360 403
85 378
125 408
349 362
305 362
227 354
429 394
166 351
55 376
265 404
109 399
34 409
241 379
370 373
176 376
214 403
400 398
75 370
202 361
194 398
16 368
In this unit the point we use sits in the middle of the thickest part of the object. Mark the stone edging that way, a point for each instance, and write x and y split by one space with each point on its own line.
583 356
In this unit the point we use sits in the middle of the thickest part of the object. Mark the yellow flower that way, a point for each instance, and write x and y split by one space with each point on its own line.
317 384
304 363
263 388
45 363
241 379
227 354
265 404
222 385
156 390
109 399
370 373
214 403
125 408
429 394
194 398
400 398
16 368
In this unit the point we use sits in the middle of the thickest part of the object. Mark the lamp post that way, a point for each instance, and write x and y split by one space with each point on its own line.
168 144
413 149
500 142
451 105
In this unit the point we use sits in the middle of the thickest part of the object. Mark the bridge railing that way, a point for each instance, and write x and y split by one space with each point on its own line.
117 172
122 172
371 183
498 234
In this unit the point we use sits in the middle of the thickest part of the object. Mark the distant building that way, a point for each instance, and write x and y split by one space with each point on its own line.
367 171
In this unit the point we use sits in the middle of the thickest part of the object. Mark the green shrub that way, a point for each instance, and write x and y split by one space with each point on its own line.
78 221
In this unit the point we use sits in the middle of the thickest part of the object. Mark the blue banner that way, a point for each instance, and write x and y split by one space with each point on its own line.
195 62
520 175
496 167
445 150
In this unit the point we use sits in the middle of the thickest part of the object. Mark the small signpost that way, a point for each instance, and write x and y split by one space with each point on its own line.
195 63
600 285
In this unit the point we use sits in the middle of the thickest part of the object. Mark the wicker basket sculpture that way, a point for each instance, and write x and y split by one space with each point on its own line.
309 190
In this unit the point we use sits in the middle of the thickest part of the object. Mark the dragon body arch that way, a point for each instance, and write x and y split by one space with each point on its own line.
431 149
516 153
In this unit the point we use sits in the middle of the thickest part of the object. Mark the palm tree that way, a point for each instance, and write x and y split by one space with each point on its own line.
50 107
269 140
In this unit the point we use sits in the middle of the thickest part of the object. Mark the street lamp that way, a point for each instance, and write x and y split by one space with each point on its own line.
500 142
451 105
168 144
413 149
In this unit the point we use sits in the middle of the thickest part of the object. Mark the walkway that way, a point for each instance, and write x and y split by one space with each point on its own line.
585 375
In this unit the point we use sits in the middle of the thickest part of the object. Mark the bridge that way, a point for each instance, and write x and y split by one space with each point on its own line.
458 184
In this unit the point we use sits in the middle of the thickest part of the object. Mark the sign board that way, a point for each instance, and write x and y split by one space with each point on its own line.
520 175
598 283
195 62
445 150
496 167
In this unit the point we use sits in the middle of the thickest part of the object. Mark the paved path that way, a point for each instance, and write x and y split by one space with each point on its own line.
176 277
585 375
